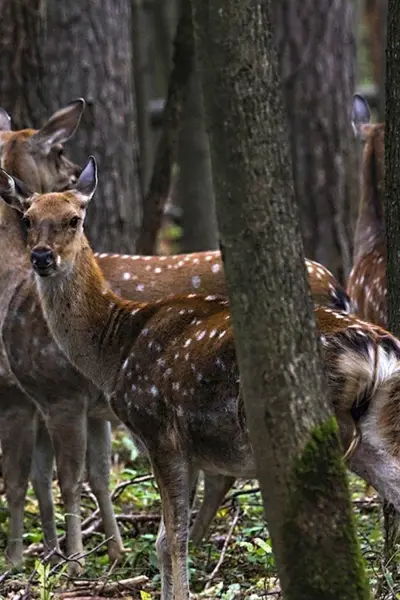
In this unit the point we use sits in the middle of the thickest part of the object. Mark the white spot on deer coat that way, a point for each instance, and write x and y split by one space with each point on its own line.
196 281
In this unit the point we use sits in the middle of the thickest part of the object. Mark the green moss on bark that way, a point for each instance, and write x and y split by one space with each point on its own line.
318 521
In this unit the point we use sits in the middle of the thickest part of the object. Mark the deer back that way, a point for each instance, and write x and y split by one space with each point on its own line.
153 277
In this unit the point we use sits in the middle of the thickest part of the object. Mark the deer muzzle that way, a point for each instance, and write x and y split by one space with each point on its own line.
43 261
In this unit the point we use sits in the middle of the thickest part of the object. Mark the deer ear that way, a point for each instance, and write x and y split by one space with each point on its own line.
360 116
14 192
60 127
5 120
87 182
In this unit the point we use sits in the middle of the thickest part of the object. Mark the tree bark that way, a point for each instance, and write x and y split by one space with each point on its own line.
292 430
392 219
195 187
22 83
316 50
89 54
143 88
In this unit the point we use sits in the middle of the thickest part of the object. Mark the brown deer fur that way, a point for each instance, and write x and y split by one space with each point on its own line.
366 285
70 405
169 371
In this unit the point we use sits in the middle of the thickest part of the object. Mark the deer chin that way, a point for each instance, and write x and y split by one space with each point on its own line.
45 271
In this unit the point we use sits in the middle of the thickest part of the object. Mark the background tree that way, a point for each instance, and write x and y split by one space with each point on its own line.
166 154
89 54
22 82
292 430
52 53
194 188
316 50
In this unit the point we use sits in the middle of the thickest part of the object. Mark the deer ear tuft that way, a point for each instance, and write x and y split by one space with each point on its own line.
60 127
5 120
87 182
360 116
14 192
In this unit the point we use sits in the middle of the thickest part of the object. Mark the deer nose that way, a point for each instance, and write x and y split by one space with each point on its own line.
42 257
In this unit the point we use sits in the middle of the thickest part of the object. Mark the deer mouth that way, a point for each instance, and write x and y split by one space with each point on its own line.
44 271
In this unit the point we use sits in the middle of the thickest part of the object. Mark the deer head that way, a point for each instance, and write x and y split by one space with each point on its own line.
37 156
53 227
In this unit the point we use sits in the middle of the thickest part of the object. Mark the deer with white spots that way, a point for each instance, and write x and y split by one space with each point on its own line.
366 285
169 371
31 362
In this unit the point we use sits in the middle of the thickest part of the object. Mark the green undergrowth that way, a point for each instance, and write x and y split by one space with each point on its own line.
247 570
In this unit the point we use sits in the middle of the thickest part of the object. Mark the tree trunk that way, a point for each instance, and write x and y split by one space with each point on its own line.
316 49
392 218
22 83
195 187
143 88
376 16
89 54
292 430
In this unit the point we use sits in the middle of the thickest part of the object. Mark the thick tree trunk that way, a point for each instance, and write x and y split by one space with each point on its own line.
293 432
89 54
195 187
392 218
22 83
54 52
316 50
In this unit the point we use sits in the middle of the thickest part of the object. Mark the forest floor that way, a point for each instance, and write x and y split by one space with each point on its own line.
234 561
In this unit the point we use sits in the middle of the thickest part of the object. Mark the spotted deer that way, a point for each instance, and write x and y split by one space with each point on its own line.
366 285
32 367
169 371
37 158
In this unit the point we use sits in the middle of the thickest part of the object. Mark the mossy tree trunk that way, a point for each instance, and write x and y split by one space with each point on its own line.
293 432
316 50
392 217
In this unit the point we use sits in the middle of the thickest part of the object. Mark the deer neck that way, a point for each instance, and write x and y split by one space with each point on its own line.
12 234
370 220
91 325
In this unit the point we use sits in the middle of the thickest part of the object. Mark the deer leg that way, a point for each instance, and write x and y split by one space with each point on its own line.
69 435
215 489
98 465
17 435
41 477
176 480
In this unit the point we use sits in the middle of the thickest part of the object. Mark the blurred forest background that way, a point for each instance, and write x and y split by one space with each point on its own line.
144 122
120 57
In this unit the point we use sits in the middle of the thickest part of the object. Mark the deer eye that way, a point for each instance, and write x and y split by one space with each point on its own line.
26 222
74 222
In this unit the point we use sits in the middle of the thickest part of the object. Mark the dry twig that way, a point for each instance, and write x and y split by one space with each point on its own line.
105 588
224 549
